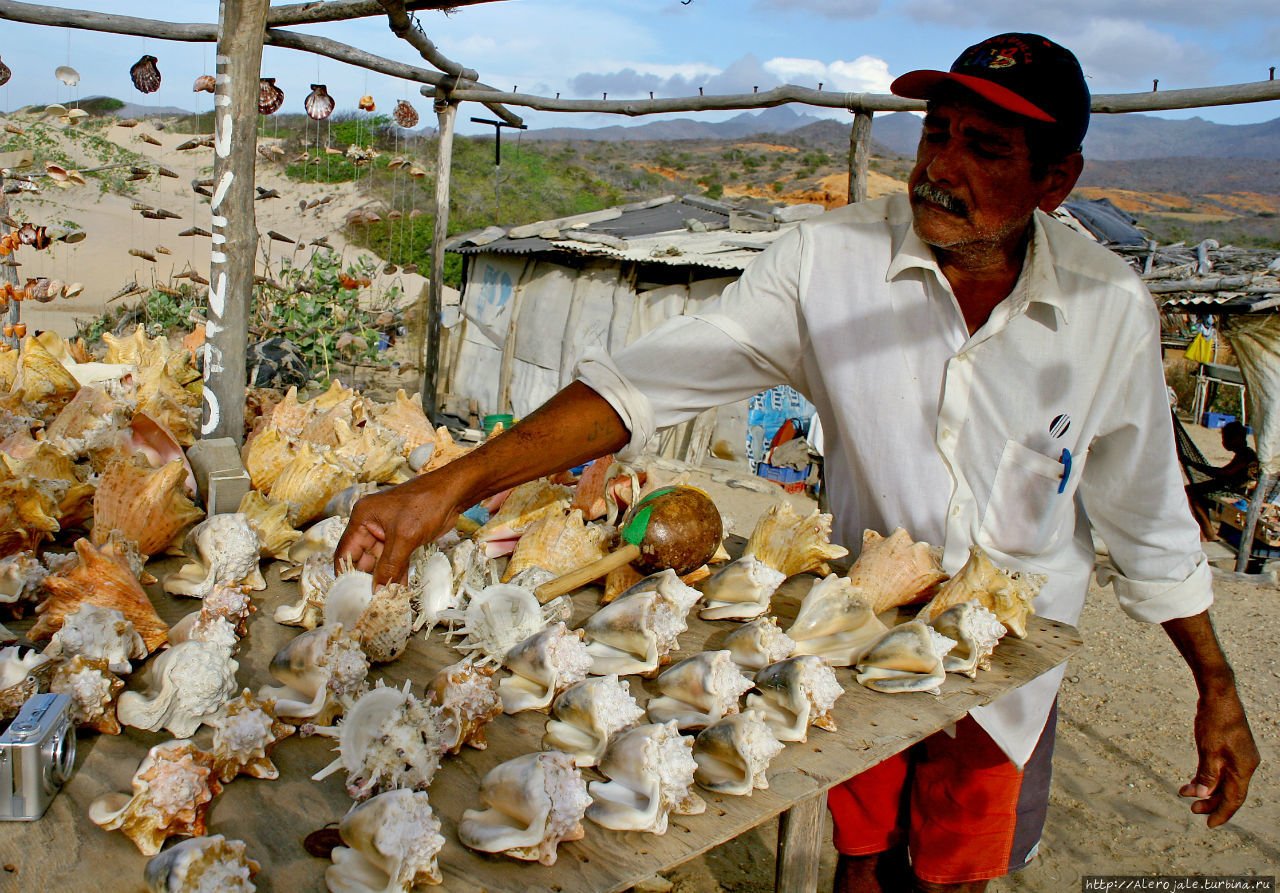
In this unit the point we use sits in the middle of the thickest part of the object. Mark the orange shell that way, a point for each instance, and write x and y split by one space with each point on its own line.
149 506
28 513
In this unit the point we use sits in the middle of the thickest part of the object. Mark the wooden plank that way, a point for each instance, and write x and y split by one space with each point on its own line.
64 850
859 156
800 846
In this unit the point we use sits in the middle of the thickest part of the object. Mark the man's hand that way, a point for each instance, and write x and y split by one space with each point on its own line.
386 527
1228 756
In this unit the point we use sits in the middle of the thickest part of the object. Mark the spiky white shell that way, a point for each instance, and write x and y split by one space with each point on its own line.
186 685
740 590
497 619
391 845
97 632
224 549
430 580
650 769
976 632
794 694
467 695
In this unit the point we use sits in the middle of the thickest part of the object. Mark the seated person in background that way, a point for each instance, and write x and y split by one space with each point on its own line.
1235 475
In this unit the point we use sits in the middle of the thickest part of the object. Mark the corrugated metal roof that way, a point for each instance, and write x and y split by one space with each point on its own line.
1222 302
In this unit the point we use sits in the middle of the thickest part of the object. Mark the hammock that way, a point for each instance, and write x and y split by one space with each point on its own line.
1187 451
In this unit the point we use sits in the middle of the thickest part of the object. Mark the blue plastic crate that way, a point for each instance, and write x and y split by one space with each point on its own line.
779 474
1217 419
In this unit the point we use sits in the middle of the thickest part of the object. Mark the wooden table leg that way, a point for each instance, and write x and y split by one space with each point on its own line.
800 846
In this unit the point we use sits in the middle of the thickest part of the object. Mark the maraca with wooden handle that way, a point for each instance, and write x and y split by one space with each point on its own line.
672 527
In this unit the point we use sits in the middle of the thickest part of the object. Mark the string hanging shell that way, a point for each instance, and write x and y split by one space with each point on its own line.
270 97
319 104
587 715
205 83
650 769
202 865
405 114
391 845
794 694
733 755
145 75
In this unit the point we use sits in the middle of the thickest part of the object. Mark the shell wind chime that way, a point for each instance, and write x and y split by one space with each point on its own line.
145 75
270 97
405 114
5 74
319 104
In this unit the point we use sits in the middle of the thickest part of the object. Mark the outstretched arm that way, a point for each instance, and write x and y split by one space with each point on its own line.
1227 754
572 427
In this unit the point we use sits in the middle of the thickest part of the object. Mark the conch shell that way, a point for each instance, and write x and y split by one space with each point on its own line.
308 482
97 632
636 633
407 420
99 578
245 731
699 691
542 666
1009 594
532 804
907 658
202 864
557 543
587 715
28 513
221 619
41 379
270 521
734 754
792 544
527 504
172 790
894 570
651 769
93 690
323 671
149 506
835 622
267 455
188 684
467 695
223 549
21 676
976 631
794 694
740 590
759 643
391 846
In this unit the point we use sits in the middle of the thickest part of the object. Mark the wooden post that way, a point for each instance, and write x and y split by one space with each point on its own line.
235 235
799 846
859 156
7 273
429 360
1265 482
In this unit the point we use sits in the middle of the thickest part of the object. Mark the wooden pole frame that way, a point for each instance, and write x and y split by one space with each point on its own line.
859 156
446 114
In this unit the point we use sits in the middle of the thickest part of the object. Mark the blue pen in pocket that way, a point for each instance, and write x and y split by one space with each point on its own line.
1066 469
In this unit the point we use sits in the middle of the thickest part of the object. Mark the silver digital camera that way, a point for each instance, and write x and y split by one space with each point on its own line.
37 754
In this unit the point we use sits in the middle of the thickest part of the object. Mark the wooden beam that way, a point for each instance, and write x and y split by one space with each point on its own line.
446 113
1200 97
316 12
1260 494
859 156
407 29
800 846
7 273
235 234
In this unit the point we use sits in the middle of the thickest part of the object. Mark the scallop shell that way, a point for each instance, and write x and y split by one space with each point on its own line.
149 506
894 570
202 864
100 633
99 578
391 846
245 731
733 755
388 740
145 75
319 104
794 694
740 590
93 690
467 695
557 543
1009 594
532 803
172 790
759 643
67 75
270 97
976 632
323 671
835 623
907 658
186 685
366 103
405 114
309 481
699 691
542 666
650 770
205 83
792 544
270 521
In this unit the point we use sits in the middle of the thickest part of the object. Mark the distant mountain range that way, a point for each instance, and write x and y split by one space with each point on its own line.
1111 137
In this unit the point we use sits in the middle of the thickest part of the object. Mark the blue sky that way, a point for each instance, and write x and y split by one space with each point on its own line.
629 47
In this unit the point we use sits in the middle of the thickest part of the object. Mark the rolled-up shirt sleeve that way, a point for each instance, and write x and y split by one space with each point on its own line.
1133 492
749 340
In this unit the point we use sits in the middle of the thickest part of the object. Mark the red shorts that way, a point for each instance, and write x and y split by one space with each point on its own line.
965 812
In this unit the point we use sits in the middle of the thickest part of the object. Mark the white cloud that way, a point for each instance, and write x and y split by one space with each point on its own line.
865 74
831 9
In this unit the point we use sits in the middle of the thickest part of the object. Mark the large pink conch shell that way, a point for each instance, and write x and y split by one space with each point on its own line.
319 103
204 84
270 97
405 114
145 75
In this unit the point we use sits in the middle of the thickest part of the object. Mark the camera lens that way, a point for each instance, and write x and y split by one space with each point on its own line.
61 755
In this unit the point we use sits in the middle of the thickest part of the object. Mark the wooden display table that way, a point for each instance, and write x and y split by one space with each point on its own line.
65 851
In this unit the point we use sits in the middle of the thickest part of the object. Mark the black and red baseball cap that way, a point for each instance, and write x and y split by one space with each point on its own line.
1026 74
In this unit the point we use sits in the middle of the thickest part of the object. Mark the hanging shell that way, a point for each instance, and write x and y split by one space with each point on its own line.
542 666
149 506
1009 594
559 544
366 103
23 672
635 634
202 865
587 715
67 75
389 739
245 731
650 769
270 97
145 75
792 544
733 755
205 83
391 846
405 114
976 632
468 698
172 790
835 623
99 578
319 104
5 73
186 685
323 671
794 694
740 590
223 549
532 803
270 521
759 643
894 570
93 690
699 691
907 658
100 633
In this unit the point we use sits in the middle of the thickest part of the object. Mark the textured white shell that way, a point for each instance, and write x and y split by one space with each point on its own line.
699 690
97 632
542 666
740 590
391 845
794 694
187 685
322 670
835 622
976 632
202 865
431 582
907 658
587 715
650 769
634 633
759 643
223 549
734 754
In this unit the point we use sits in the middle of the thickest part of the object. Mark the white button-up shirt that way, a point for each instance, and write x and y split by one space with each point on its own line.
1049 423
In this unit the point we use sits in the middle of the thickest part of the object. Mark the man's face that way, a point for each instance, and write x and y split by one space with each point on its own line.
972 189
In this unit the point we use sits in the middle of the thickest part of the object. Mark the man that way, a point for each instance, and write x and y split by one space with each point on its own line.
1233 476
983 376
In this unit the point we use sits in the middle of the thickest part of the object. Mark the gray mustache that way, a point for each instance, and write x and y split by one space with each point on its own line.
930 193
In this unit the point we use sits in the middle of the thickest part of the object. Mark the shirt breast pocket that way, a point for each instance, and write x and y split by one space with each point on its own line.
1026 512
